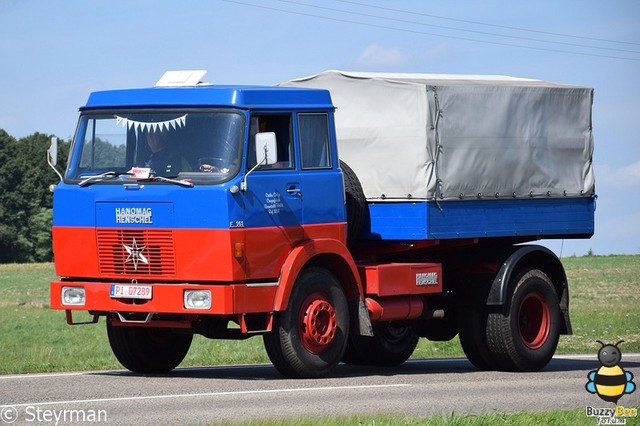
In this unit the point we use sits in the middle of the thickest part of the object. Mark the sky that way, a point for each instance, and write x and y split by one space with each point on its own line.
55 52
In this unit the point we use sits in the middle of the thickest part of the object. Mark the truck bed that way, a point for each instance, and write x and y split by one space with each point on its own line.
429 220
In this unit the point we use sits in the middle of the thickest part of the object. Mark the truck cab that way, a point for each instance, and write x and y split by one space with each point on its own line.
165 184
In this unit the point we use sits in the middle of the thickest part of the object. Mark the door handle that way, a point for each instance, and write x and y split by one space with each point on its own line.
294 191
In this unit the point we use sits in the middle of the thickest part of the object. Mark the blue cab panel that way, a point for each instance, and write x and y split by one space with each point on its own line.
152 206
428 220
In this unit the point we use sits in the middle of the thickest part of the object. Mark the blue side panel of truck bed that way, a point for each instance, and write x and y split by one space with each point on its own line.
424 220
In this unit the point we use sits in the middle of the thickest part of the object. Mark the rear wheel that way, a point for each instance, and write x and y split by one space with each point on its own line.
442 330
309 338
148 350
391 345
525 337
473 326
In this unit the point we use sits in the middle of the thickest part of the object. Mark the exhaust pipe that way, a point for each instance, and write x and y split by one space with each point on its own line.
395 308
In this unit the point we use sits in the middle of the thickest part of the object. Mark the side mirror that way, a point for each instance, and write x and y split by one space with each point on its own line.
52 152
52 156
266 153
266 148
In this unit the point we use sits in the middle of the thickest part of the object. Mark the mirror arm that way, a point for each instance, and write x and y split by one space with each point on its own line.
243 184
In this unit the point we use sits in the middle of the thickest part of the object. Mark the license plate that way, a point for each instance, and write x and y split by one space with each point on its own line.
130 291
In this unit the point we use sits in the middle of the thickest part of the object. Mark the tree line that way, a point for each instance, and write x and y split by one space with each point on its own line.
25 198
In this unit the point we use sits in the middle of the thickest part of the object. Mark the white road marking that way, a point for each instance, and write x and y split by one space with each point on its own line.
91 372
191 395
41 375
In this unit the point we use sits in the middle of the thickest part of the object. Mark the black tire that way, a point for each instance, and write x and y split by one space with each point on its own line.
442 330
391 345
472 334
310 337
352 355
355 200
148 350
525 336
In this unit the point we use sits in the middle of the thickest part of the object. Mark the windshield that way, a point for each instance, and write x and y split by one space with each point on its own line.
196 146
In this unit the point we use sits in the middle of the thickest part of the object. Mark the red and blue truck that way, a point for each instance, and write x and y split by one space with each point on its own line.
225 211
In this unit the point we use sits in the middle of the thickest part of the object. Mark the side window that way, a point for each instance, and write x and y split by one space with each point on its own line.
314 140
280 124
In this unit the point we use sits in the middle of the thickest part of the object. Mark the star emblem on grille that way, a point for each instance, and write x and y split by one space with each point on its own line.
135 254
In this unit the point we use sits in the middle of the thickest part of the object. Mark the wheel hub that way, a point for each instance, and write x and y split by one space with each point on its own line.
317 323
534 321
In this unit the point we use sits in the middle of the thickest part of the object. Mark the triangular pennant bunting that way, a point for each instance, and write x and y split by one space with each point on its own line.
155 126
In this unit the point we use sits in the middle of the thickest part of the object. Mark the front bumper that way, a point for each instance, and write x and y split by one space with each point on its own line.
227 299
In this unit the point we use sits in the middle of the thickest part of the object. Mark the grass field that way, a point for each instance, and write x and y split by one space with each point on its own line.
564 418
605 305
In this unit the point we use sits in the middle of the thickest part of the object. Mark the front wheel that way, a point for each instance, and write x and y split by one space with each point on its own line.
148 350
309 338
525 337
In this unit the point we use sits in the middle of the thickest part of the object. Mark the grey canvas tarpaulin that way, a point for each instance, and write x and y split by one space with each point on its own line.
450 137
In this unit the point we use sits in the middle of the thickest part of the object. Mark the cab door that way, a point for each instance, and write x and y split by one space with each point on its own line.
273 200
322 192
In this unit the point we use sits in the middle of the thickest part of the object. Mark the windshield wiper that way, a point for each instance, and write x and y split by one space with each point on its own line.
102 176
171 179
174 181
109 175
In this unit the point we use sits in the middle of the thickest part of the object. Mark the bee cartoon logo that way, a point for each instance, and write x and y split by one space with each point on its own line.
610 381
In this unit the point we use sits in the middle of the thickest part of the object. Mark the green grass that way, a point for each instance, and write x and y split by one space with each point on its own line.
605 295
564 418
604 303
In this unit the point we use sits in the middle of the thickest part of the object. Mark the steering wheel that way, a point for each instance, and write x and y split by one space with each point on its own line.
213 164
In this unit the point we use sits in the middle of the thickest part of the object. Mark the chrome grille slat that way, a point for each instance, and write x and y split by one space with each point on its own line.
158 251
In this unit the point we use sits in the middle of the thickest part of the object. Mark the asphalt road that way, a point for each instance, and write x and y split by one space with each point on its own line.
199 395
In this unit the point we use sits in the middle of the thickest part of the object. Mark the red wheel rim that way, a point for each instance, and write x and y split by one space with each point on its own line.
317 325
534 321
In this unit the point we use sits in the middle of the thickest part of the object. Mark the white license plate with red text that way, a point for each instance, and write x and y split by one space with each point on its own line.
130 291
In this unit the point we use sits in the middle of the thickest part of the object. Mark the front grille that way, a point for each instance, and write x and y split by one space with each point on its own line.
136 252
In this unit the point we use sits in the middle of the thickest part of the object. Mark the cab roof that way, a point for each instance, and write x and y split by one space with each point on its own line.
245 97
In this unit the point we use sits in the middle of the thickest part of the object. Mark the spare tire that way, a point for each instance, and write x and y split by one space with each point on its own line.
356 202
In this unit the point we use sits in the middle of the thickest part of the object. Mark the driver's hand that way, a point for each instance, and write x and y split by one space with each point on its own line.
208 168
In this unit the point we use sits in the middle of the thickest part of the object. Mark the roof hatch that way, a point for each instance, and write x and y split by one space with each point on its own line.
181 78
